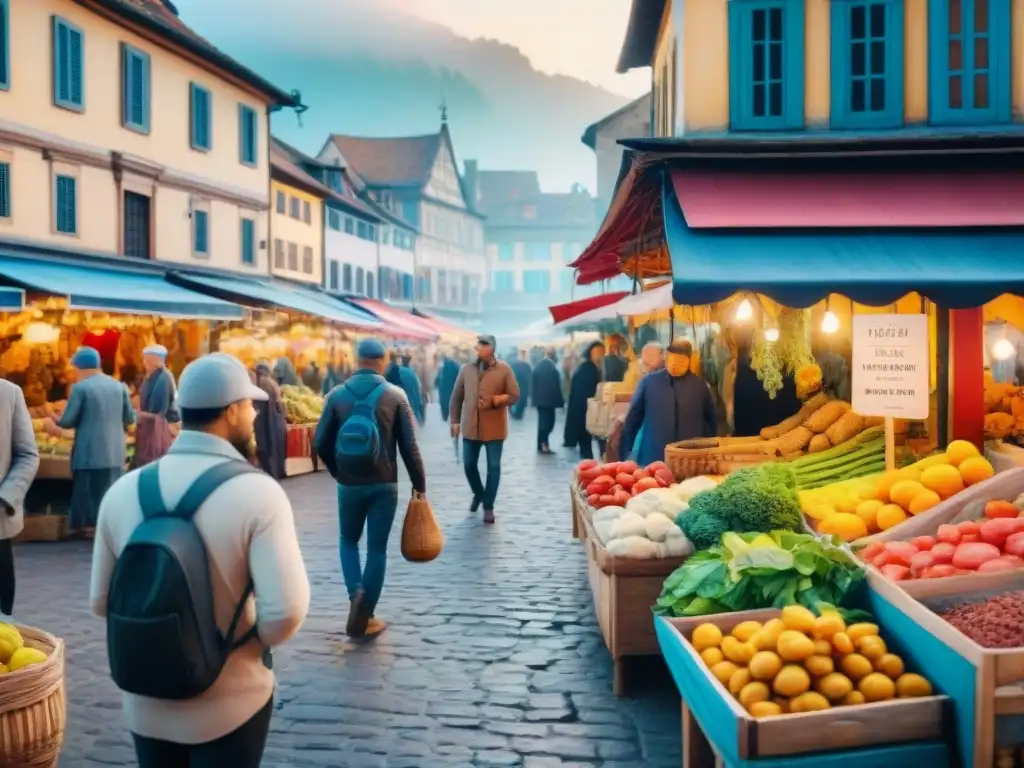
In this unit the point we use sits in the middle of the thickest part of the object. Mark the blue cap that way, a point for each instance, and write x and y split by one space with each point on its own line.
371 349
155 349
86 359
216 381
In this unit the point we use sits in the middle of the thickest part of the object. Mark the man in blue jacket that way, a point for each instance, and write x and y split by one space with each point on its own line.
670 405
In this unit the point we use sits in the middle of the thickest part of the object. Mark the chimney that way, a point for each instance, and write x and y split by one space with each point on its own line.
470 179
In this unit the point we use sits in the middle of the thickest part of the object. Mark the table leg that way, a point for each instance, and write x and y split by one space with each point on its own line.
697 751
619 676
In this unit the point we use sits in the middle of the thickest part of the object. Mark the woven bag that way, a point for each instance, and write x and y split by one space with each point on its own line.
422 540
33 706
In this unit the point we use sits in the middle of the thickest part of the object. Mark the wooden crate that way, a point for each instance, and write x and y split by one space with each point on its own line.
999 673
577 506
624 591
47 528
737 737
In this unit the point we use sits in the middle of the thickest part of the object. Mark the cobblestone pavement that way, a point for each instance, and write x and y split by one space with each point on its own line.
493 657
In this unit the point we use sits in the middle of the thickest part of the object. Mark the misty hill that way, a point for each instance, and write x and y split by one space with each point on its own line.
364 67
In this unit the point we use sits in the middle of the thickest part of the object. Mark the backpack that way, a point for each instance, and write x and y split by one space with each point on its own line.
358 445
162 634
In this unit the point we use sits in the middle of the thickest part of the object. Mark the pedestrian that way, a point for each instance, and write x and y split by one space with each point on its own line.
582 388
447 373
99 409
546 388
198 571
615 362
524 374
366 423
402 376
483 392
285 373
157 408
271 427
19 460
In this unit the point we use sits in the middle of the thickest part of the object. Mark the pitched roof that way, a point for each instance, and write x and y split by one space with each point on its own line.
404 161
496 187
590 134
514 198
641 34
161 18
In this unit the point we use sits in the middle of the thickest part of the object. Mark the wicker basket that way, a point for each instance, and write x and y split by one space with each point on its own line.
33 707
422 540
716 456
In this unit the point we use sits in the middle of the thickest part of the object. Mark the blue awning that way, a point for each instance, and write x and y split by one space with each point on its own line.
12 300
278 295
113 289
957 268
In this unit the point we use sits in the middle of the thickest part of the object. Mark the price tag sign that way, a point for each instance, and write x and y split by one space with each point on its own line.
891 366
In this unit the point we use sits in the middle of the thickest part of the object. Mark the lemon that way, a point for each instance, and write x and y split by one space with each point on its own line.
842 643
871 647
739 680
877 687
765 709
834 687
826 626
736 651
706 636
852 699
809 702
3 670
711 656
767 638
765 665
889 664
795 646
909 686
798 618
862 629
822 648
25 657
855 666
819 666
792 681
6 650
724 670
753 693
746 630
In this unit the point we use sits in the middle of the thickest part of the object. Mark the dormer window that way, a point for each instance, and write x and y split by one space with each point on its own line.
335 180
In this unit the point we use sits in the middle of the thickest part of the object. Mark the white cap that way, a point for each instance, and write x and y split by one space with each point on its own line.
216 381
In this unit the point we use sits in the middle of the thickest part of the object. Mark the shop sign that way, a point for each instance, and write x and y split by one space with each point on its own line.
891 366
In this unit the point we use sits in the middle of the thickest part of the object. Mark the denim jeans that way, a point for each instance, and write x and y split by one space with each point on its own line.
372 507
471 458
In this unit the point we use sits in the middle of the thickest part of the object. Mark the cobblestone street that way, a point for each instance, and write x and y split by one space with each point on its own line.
493 657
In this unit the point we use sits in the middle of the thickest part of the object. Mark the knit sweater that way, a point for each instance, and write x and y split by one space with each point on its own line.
248 528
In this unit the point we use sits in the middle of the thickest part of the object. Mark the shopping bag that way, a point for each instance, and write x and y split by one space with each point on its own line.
422 540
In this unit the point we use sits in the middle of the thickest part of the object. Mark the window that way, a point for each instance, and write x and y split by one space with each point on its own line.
537 281
370 283
565 280
136 225
281 205
248 241
766 64
333 276
201 233
334 220
360 276
307 212
969 61
201 117
506 251
502 281
5 190
278 254
346 279
373 233
5 45
134 89
294 207
350 226
407 287
307 260
248 135
334 180
293 257
538 251
66 213
68 65
867 64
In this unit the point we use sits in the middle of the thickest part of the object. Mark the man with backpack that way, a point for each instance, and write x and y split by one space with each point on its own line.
198 572
366 423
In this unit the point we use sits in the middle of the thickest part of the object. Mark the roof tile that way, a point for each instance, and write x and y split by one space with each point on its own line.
397 161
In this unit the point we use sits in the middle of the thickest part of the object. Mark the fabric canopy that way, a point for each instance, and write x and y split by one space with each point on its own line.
562 312
715 198
799 267
113 289
655 300
396 322
441 326
280 296
12 299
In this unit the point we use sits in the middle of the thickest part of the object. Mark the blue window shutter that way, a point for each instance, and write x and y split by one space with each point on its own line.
201 115
974 87
5 190
135 99
867 67
248 136
68 65
766 65
5 45
67 205
248 241
201 233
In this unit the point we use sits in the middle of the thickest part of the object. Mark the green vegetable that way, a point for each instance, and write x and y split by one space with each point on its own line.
761 499
755 570
857 457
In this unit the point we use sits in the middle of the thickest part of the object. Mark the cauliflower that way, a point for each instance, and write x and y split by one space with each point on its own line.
634 547
676 544
657 526
657 500
628 524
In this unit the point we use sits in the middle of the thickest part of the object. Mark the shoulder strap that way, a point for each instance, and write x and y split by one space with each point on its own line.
207 483
150 498
374 395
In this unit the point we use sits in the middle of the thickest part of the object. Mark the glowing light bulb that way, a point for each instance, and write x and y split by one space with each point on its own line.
771 335
829 323
1003 350
744 311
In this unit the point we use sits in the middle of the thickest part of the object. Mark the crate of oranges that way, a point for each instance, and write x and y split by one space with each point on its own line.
792 682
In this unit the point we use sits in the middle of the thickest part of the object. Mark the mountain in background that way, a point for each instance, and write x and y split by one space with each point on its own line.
366 68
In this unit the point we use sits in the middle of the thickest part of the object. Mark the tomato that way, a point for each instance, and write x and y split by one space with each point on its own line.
1014 544
641 474
664 475
646 484
902 552
943 552
896 572
997 530
628 466
872 550
948 533
921 562
621 497
663 483
999 564
969 527
654 466
601 485
587 464
607 500
923 543
998 509
590 475
971 555
939 571
625 480
593 499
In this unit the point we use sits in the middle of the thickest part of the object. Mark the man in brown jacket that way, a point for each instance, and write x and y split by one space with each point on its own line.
483 393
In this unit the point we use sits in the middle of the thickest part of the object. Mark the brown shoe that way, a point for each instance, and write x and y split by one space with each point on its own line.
489 516
374 627
357 619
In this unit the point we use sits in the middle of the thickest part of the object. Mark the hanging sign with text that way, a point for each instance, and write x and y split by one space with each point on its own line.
891 366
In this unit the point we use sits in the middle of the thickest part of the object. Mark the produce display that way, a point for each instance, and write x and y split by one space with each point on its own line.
760 570
860 456
856 508
993 543
301 404
754 499
615 483
801 662
50 445
1004 410
994 623
819 425
14 654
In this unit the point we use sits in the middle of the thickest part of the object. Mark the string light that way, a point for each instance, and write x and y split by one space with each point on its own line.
744 311
1003 350
771 335
829 323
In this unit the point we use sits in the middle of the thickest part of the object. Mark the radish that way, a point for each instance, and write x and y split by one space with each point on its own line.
971 555
872 550
1014 544
948 533
923 543
999 564
943 552
939 572
922 561
901 552
996 530
896 572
